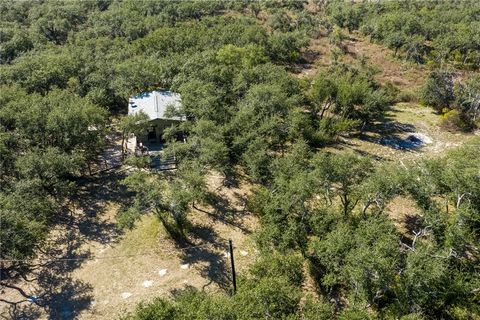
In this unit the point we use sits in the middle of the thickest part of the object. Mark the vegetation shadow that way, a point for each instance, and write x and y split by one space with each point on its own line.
23 312
413 223
64 297
393 134
209 257
55 292
225 212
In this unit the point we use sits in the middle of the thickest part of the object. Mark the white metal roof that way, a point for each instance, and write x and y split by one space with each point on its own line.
154 104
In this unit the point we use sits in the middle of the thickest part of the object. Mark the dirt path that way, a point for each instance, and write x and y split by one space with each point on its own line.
106 273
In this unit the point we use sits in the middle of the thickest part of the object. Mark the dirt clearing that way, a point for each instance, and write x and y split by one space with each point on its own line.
403 74
105 273
408 132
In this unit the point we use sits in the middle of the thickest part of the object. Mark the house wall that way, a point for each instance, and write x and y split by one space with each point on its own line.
160 125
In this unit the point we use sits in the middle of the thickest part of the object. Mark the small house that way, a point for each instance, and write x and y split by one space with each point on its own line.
160 106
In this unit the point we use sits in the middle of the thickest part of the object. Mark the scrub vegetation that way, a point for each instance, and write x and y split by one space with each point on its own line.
328 247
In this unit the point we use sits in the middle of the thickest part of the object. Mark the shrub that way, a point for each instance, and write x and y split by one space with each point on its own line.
391 90
454 120
157 309
277 265
438 90
407 96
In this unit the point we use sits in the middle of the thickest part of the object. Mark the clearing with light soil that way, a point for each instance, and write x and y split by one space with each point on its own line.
102 273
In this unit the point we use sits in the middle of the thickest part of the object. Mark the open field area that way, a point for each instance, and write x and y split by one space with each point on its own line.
401 73
102 272
395 138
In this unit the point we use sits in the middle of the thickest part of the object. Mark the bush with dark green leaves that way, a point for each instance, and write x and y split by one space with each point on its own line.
459 103
322 215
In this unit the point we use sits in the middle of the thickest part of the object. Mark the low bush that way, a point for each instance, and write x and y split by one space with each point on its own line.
453 120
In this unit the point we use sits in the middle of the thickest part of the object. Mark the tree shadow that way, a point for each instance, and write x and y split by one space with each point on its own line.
63 297
348 144
224 212
347 49
232 180
99 231
203 233
95 191
59 295
56 293
209 257
305 62
92 197
345 144
393 134
364 153
334 293
23 312
413 223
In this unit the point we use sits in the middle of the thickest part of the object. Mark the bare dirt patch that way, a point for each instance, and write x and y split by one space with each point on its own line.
401 210
316 56
403 74
402 127
101 273
408 130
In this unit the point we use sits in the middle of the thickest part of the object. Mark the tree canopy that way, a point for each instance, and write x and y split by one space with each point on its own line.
68 68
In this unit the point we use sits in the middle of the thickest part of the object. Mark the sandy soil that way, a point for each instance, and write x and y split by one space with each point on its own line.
110 272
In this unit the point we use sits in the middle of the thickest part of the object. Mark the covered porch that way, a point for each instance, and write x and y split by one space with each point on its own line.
152 142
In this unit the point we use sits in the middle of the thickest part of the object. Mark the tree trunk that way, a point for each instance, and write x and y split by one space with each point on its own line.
123 144
365 207
345 203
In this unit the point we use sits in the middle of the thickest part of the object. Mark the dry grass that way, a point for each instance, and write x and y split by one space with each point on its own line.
316 57
404 75
400 210
118 263
401 121
122 263
208 266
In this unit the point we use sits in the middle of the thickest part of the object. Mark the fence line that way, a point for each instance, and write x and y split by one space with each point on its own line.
144 253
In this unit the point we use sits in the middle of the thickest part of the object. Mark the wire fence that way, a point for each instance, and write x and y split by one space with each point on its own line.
47 292
143 253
